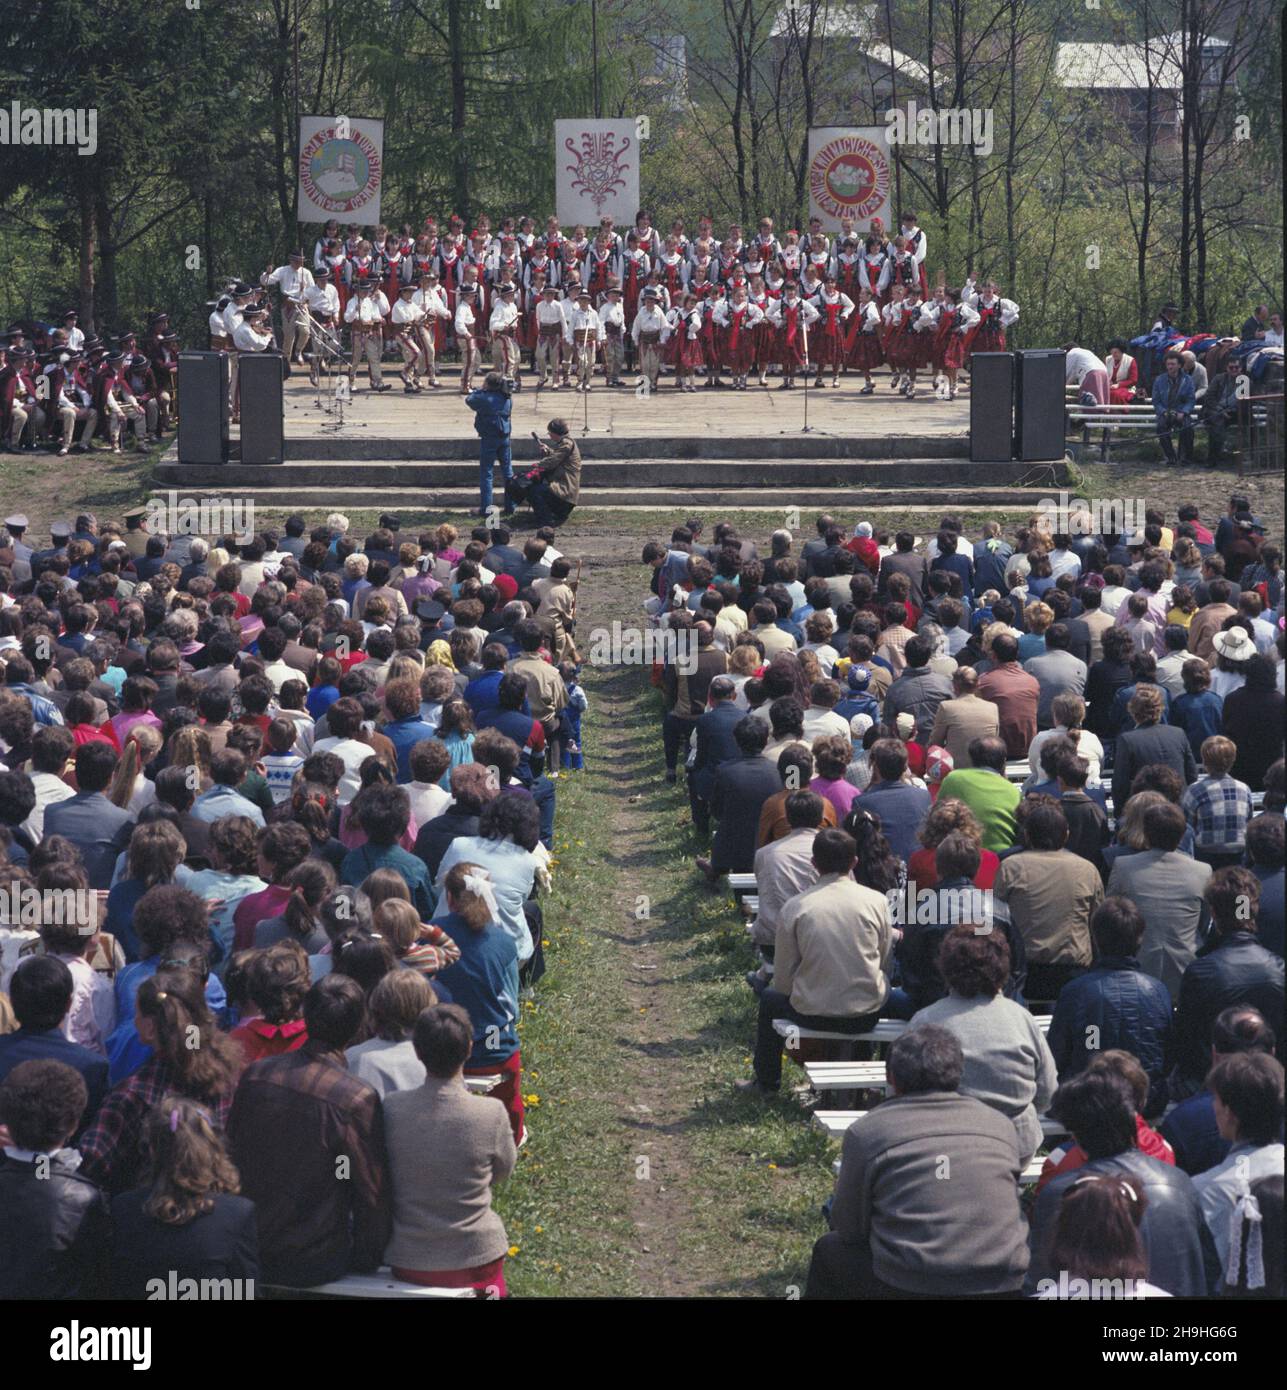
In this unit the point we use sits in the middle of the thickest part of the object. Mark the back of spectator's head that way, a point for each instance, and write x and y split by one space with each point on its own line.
1117 927
1005 648
1232 896
41 1104
750 735
889 758
988 751
41 993
95 764
804 810
833 852
957 856
1248 1091
443 1039
974 963
334 1011
1098 1108
1164 827
928 1058
1240 1028
1264 840
1042 823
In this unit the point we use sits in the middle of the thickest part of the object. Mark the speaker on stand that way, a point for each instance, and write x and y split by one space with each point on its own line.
991 407
262 420
1039 404
204 420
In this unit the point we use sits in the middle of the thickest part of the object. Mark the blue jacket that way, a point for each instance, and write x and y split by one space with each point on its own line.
491 413
404 734
715 744
1129 1010
1184 395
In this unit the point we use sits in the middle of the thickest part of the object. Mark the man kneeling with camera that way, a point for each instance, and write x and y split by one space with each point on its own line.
552 488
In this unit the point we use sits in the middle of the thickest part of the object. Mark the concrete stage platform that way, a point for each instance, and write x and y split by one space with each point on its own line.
672 449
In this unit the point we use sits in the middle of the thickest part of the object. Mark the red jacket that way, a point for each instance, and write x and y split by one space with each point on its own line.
1071 1156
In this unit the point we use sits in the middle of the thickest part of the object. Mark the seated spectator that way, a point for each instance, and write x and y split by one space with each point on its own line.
1265 856
1057 672
234 861
294 1118
155 852
949 817
1231 968
276 981
1115 1005
795 769
1148 743
1069 715
190 1057
41 992
1087 820
308 884
388 1060
985 789
69 937
831 959
1218 806
821 716
447 1150
187 1221
1099 1110
1069 1156
1190 1127
228 771
1248 1096
1167 887
384 817
1015 693
1007 1062
1199 711
282 848
1253 718
53 1218
831 753
88 819
1097 1242
919 691
471 789
741 787
896 1229
429 760
404 727
900 805
965 716
784 865
1051 894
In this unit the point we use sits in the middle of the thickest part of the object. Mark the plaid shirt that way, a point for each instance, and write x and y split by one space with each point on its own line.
111 1153
1218 809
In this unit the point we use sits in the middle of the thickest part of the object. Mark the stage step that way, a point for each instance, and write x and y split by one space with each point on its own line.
654 472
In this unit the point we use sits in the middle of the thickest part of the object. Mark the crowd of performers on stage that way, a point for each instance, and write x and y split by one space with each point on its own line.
566 305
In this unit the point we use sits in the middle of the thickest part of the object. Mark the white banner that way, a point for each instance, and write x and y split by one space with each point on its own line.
341 168
849 175
596 172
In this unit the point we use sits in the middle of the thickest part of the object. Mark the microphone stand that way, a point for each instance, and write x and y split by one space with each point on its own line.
804 330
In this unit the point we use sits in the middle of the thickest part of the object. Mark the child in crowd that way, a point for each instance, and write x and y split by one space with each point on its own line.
282 760
572 749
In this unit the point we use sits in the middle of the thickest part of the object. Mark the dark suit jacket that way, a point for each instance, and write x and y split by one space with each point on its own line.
222 1244
1137 748
914 566
504 559
715 744
741 787
26 1046
99 829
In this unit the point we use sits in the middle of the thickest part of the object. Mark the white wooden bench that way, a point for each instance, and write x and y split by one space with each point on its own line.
381 1284
835 1123
886 1030
1133 417
741 883
480 1085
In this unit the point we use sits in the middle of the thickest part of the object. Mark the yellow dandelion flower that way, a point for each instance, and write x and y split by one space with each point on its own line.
540 1230
513 1250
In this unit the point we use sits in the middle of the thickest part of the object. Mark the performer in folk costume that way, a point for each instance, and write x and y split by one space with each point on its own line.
234 314
737 319
220 339
20 398
389 267
793 318
358 266
164 358
551 333
700 283
765 246
116 401
504 333
466 329
142 386
72 402
683 243
432 328
815 233
862 341
525 234
292 279
995 316
729 258
449 257
469 275
601 265
891 317
542 263
870 269
576 245
365 316
583 335
330 232
613 317
955 320
900 269
924 324
505 264
904 342
846 266
424 256
529 296
650 331
834 308
790 257
762 333
712 334
818 259
685 351
553 239
811 284
635 264
915 245
674 271
655 282
1123 374
323 302
646 236
406 319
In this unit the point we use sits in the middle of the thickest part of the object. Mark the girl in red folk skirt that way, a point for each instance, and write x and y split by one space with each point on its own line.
954 321
863 351
793 317
995 316
684 350
763 334
713 332
834 309
737 320
905 343
891 317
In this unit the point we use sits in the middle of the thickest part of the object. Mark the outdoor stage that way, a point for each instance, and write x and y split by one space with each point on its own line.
671 449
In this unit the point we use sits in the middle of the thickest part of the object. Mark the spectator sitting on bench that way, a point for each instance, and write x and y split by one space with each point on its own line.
1173 406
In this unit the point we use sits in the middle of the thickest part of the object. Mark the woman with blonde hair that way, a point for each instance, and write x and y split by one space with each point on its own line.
388 1060
187 1222
439 654
1069 713
444 538
1037 618
129 788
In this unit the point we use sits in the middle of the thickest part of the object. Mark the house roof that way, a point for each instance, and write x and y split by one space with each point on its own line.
856 23
1129 66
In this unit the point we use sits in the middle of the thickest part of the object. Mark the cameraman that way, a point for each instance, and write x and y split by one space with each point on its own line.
1220 409
491 407
1173 401
555 492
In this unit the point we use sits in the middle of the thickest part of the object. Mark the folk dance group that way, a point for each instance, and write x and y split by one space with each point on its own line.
634 302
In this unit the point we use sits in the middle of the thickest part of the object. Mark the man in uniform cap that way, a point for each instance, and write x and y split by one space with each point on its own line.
59 534
15 525
504 330
136 533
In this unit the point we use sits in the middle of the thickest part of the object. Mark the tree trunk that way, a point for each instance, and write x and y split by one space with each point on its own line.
85 211
459 151
106 296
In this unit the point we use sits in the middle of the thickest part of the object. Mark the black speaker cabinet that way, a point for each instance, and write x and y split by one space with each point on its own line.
991 407
1039 404
260 377
203 418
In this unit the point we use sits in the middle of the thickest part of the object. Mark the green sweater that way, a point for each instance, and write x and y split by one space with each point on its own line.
992 799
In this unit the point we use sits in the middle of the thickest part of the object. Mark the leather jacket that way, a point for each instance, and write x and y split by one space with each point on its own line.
53 1231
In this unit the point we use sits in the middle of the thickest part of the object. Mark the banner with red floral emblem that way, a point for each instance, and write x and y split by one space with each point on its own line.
849 176
596 172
